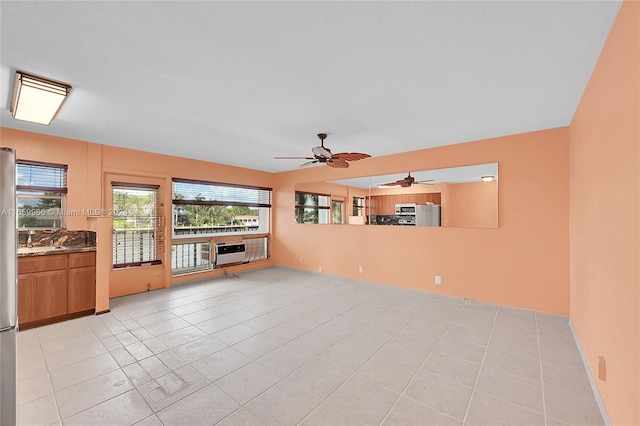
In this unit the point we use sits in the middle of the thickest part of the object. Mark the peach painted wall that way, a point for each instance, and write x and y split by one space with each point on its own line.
522 263
604 218
89 166
473 204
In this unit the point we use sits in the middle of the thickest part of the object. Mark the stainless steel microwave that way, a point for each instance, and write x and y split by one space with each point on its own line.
408 209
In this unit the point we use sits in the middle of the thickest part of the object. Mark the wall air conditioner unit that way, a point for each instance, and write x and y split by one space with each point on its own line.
229 253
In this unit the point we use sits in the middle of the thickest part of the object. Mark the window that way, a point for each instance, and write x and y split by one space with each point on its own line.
358 206
336 212
135 225
190 257
41 190
216 208
311 208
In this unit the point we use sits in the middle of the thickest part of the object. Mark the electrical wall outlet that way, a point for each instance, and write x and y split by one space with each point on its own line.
360 269
438 279
300 259
320 269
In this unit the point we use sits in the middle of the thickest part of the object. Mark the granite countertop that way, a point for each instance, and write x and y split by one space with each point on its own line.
59 241
40 251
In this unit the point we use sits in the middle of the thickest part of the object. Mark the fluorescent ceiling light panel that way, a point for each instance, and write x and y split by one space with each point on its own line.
36 99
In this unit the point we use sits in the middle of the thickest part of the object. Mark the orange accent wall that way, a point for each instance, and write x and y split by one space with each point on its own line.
473 204
605 218
522 263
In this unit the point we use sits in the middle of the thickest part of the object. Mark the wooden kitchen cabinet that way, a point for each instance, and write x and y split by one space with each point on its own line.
26 297
55 287
82 282
50 290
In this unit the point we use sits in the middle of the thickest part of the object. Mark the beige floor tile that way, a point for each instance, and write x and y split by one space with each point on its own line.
235 334
285 360
462 349
165 390
567 379
486 410
150 421
571 408
468 334
216 324
362 400
206 406
440 394
29 366
82 371
182 336
514 389
410 413
327 414
516 365
381 334
122 357
240 417
73 354
515 344
221 363
34 387
77 398
125 409
452 368
392 371
136 374
199 349
200 316
171 360
41 411
259 345
248 382
319 377
283 404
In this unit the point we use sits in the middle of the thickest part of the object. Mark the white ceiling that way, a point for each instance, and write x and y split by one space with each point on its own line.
241 82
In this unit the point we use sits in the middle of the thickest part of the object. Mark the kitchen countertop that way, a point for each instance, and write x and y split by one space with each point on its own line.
40 251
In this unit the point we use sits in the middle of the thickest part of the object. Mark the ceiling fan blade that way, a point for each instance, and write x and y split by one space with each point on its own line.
350 156
339 164
425 182
321 151
307 164
294 158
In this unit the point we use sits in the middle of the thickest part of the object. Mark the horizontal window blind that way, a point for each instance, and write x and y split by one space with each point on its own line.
34 176
213 193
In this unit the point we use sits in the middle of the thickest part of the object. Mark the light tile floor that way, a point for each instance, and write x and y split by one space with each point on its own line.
283 347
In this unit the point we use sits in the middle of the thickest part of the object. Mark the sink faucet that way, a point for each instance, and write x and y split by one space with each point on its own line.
29 241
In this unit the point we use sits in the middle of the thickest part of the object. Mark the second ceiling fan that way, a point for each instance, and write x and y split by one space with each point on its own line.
321 154
405 182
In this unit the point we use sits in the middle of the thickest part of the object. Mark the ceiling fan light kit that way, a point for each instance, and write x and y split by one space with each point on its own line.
323 155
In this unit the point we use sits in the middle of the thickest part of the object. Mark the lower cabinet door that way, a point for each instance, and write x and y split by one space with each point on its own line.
50 291
82 289
26 311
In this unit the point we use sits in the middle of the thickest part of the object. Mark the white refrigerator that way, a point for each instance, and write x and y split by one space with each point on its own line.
8 286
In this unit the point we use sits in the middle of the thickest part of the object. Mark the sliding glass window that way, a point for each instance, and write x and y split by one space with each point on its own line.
214 208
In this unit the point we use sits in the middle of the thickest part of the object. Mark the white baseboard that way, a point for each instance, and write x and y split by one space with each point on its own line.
592 381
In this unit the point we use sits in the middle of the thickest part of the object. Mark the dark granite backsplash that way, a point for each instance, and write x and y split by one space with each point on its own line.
58 238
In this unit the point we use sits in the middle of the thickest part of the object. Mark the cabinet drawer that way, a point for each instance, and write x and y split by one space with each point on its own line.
49 262
79 260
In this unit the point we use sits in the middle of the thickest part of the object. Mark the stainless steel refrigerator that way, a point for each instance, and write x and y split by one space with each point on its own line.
8 286
428 215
